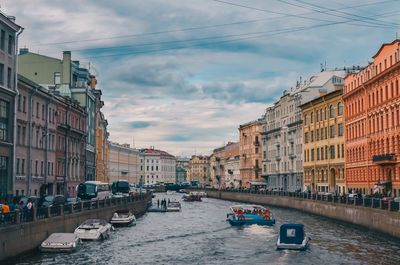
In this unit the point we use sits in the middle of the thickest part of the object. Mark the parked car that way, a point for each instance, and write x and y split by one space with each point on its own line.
24 201
51 200
73 201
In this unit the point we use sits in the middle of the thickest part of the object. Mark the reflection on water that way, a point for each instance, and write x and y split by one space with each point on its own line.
199 234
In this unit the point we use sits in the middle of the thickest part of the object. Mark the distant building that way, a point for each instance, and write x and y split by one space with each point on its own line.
372 113
102 146
250 146
182 167
124 163
323 142
159 166
199 169
283 131
9 33
231 177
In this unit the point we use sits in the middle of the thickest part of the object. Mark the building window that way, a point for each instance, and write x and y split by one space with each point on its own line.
340 109
1 74
10 44
306 119
24 104
312 136
332 151
4 120
37 109
340 129
332 131
9 77
3 40
57 78
312 117
306 137
331 111
312 154
23 166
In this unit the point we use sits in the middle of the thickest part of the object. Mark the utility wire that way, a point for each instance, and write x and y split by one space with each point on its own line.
227 41
200 27
346 13
279 13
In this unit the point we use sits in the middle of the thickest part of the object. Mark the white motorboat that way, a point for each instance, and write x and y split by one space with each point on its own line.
202 194
93 229
171 192
60 242
123 217
173 206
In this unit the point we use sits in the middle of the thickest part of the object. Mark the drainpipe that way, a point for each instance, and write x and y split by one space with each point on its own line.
30 113
15 106
46 168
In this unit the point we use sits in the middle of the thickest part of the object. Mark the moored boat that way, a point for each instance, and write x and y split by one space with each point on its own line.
250 214
123 217
93 229
173 206
292 236
60 242
191 197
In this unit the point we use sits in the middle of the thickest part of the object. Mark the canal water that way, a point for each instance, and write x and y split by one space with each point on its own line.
199 234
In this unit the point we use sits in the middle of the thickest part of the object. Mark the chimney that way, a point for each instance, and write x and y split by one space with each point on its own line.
92 82
23 51
66 68
12 18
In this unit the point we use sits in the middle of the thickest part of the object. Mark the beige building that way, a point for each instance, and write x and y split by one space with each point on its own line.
159 166
199 169
124 163
323 142
250 152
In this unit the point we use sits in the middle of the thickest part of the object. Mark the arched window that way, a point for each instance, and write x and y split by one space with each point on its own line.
331 111
340 109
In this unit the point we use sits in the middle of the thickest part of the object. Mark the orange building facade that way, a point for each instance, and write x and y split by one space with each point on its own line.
372 115
250 150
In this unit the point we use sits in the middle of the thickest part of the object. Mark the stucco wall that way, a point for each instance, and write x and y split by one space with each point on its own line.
17 239
376 219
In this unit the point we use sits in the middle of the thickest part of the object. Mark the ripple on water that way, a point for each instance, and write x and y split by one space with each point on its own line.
199 234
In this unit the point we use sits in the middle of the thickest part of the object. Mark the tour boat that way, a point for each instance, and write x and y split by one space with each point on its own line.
123 217
173 206
60 242
93 229
250 214
292 236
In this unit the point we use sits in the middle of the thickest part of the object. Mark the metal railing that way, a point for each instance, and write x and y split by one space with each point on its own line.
39 213
369 202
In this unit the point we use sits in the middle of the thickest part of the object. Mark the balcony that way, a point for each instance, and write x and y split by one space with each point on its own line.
384 159
278 158
292 156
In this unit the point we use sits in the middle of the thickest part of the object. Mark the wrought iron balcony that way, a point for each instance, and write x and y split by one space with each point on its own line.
384 159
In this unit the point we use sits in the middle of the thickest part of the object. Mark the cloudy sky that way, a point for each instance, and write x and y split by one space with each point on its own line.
182 75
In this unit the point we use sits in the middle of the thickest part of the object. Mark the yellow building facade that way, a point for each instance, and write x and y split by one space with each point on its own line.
199 169
324 143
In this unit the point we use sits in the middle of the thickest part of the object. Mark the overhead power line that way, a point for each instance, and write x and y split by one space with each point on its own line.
282 15
265 34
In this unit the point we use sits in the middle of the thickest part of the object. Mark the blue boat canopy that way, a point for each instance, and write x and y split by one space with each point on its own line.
292 233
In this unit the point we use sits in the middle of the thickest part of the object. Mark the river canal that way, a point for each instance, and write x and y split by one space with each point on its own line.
199 234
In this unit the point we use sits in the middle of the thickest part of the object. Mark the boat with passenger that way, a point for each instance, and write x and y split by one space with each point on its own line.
292 236
249 215
123 217
173 206
60 242
93 229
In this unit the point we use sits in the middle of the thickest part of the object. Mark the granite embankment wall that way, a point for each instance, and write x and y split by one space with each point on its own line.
20 238
384 221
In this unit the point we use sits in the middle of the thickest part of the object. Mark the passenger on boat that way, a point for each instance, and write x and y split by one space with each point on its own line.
115 215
